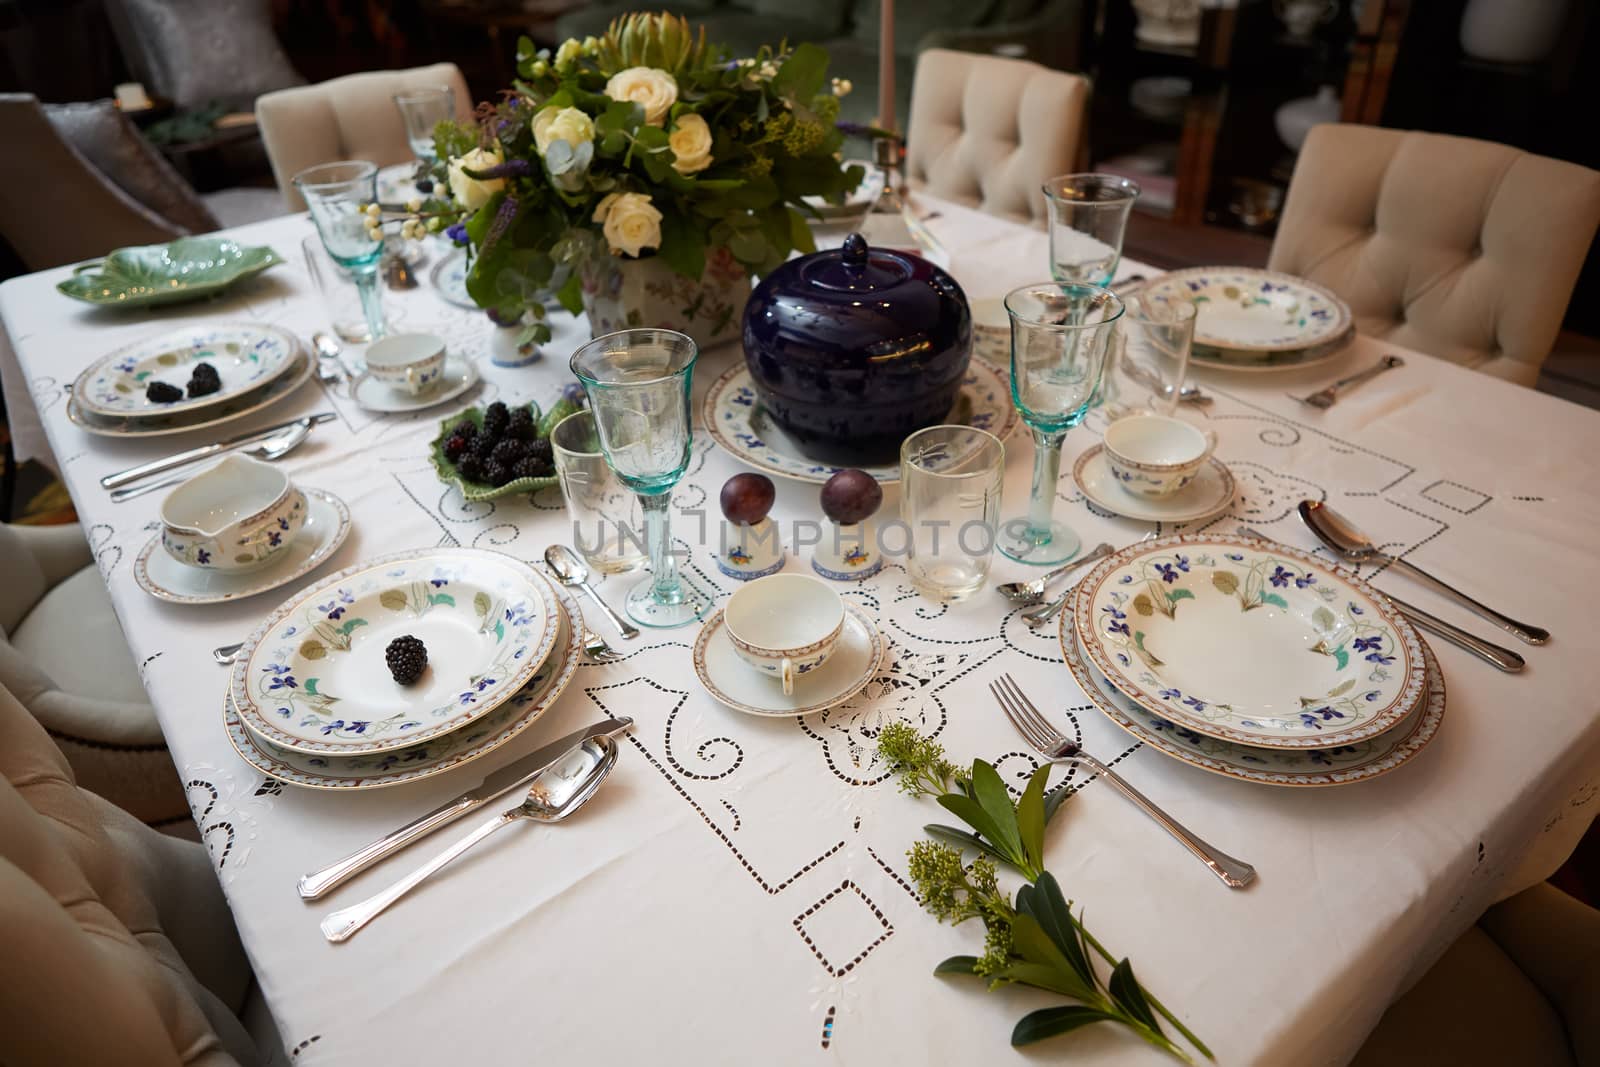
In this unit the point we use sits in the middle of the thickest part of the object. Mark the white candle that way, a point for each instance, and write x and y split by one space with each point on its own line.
886 65
131 97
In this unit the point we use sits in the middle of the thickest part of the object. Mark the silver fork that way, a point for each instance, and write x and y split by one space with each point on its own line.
1047 740
1326 398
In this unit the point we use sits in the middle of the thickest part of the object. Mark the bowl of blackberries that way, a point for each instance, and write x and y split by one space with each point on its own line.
498 450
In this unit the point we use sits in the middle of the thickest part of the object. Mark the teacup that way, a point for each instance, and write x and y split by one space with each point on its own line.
413 362
785 625
1156 455
235 516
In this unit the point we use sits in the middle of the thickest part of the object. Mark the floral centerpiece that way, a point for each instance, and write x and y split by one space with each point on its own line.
643 177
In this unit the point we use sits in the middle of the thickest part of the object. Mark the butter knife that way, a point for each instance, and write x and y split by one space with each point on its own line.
512 776
159 466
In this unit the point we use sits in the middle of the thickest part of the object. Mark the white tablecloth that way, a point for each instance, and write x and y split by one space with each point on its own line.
737 891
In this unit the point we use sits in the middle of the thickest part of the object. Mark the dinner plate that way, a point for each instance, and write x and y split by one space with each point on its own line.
433 757
326 526
185 269
246 356
460 374
1249 641
315 677
449 279
397 186
166 426
1242 310
737 422
1210 493
1343 765
1258 363
732 681
858 200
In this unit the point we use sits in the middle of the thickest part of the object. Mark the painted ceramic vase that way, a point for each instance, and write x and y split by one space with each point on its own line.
624 294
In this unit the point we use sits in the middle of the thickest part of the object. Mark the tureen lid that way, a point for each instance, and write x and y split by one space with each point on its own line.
855 268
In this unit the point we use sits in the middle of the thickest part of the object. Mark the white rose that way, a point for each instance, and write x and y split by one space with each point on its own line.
569 53
655 89
690 141
631 222
469 192
564 124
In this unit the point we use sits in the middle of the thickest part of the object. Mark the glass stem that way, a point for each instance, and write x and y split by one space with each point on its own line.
371 303
658 534
1046 472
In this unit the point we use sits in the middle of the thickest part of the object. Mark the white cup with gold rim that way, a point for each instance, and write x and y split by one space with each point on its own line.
785 625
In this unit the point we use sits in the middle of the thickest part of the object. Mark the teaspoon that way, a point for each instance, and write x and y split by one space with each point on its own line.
569 570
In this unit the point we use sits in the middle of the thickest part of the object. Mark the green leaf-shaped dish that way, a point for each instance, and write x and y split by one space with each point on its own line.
475 491
185 269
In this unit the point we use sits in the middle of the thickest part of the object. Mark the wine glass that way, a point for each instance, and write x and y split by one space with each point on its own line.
336 193
1061 335
421 110
1088 216
638 387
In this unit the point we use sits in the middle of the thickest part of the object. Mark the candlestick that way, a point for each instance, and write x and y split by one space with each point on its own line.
886 117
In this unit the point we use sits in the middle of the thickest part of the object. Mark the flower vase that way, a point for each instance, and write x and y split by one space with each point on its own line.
622 293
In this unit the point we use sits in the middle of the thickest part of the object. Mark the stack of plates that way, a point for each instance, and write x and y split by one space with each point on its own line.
1252 660
1256 319
257 364
311 701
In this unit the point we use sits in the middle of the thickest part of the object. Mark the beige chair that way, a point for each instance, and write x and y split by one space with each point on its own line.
353 117
119 946
1463 249
64 656
1520 987
987 131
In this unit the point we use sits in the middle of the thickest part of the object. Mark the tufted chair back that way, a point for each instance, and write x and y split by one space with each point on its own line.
987 131
353 117
1463 249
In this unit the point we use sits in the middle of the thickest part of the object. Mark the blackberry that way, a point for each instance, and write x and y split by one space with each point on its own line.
533 467
482 445
471 467
162 393
454 447
541 449
425 185
407 658
509 451
521 426
465 428
496 473
204 370
495 418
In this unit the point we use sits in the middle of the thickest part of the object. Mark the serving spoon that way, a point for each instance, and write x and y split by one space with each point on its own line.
1351 544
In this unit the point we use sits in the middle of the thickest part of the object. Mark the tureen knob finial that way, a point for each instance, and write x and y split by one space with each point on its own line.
855 250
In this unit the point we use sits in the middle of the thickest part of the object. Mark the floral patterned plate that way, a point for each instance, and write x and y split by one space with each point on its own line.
737 422
246 356
1260 363
449 279
163 425
444 753
1355 762
314 676
1244 310
1249 641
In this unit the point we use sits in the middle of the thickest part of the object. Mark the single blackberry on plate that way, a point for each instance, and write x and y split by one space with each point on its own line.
541 449
521 426
407 658
496 473
199 386
533 467
471 467
204 370
508 451
455 446
495 418
162 393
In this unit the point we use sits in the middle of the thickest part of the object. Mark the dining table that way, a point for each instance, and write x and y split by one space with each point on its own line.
738 890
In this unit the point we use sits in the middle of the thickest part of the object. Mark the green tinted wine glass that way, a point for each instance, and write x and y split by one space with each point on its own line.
336 193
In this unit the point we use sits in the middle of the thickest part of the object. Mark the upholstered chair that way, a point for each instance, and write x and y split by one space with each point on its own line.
63 655
1534 962
1462 249
353 117
987 131
119 946
194 52
58 208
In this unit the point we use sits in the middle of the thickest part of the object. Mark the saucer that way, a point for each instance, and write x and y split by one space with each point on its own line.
1209 493
459 376
733 682
449 277
327 524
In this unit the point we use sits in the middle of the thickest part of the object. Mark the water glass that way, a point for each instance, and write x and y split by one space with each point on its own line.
638 387
950 483
1061 336
1088 216
1154 360
421 110
336 193
607 523
340 297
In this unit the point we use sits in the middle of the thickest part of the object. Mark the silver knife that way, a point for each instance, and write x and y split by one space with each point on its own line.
158 466
318 884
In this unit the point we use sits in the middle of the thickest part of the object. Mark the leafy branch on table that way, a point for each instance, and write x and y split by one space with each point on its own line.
1035 939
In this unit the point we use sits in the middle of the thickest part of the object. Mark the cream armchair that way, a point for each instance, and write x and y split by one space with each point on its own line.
353 117
988 131
1463 249
64 656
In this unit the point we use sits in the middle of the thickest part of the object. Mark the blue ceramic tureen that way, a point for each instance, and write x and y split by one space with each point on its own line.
852 349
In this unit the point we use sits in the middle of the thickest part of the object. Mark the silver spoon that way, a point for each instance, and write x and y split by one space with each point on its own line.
558 791
329 367
569 570
1341 535
1032 592
270 449
226 654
